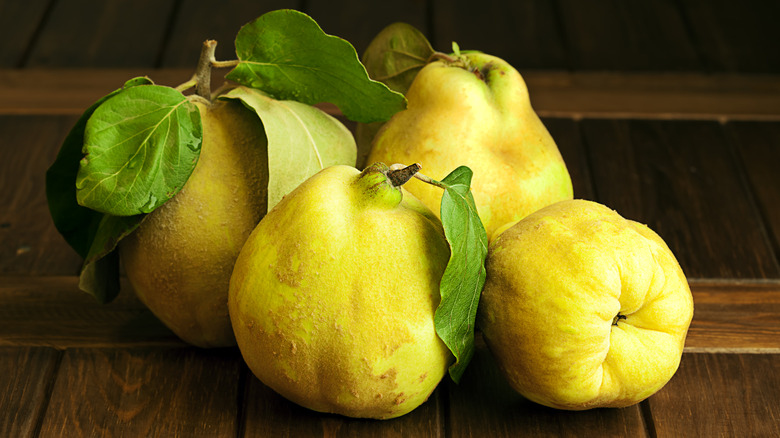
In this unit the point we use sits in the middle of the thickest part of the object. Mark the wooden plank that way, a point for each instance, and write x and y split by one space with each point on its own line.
484 404
71 91
720 395
553 94
655 95
680 178
29 242
359 21
526 34
736 36
266 414
97 33
26 375
621 35
18 23
145 392
735 317
52 311
198 20
757 146
568 137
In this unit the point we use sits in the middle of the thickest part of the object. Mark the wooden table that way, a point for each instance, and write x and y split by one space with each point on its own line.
668 112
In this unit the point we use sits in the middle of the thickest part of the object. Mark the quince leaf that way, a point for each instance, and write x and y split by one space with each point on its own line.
396 55
140 148
77 224
302 140
464 276
92 234
287 55
100 273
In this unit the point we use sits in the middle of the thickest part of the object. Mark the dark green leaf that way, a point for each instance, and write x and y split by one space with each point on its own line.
396 55
286 54
100 273
302 140
141 146
77 224
461 284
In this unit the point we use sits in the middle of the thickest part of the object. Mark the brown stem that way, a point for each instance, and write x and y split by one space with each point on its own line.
203 72
443 56
399 177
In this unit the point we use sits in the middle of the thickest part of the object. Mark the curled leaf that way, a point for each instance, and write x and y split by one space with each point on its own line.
302 140
464 276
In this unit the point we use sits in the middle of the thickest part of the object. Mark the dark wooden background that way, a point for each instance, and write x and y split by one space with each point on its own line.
667 111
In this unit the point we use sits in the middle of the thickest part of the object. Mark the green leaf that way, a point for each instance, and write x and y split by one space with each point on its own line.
464 277
302 140
141 146
396 55
286 54
77 224
100 273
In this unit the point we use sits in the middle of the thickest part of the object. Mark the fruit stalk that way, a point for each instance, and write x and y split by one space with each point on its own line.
203 72
400 174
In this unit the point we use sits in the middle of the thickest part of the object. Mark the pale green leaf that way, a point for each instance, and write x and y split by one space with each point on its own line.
302 140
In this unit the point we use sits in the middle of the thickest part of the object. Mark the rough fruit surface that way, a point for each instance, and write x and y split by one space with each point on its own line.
333 296
180 259
583 308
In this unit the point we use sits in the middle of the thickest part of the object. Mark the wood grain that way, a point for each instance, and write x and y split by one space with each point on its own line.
675 176
566 134
553 93
145 392
756 145
719 395
266 413
97 33
731 316
52 311
359 21
484 405
18 24
25 377
29 242
524 33
626 36
198 20
735 36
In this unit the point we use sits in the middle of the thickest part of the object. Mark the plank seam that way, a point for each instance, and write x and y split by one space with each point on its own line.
36 35
51 380
742 172
647 418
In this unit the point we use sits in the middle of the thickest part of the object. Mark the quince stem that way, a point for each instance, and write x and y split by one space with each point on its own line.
400 174
201 80
416 173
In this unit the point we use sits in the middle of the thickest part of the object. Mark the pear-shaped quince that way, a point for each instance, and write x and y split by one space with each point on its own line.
475 111
583 308
180 258
333 296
